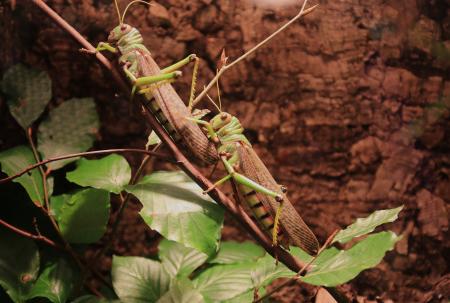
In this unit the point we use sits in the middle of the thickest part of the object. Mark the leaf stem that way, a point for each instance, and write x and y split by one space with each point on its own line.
37 158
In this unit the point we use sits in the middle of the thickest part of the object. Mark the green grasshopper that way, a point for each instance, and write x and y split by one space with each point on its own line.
264 197
154 83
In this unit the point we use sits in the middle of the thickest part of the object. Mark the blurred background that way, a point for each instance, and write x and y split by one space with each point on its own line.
349 107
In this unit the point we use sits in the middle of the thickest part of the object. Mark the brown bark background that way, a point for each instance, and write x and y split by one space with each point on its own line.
348 108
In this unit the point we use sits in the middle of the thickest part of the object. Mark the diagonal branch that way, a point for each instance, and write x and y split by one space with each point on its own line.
236 211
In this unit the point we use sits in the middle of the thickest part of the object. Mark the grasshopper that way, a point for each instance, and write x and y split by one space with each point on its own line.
154 83
255 185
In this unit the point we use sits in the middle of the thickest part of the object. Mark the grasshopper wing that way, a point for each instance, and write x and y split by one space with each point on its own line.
176 113
292 224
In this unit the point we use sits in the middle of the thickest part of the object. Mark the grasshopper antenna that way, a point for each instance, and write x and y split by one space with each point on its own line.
130 4
213 103
118 12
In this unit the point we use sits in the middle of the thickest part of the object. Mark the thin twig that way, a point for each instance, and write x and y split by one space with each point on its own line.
125 199
43 239
31 236
46 211
299 274
302 12
89 153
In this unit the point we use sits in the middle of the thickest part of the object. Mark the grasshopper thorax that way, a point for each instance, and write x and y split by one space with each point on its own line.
125 35
226 124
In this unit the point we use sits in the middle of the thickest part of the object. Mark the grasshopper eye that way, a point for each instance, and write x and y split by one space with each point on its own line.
123 28
224 116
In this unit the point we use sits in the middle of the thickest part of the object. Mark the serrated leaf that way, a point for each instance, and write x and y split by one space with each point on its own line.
28 91
234 252
181 291
363 226
179 260
138 280
111 173
15 160
55 282
153 139
224 282
175 206
69 128
83 217
19 265
344 265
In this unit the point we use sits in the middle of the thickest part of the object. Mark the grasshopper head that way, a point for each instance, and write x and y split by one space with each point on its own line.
220 120
124 33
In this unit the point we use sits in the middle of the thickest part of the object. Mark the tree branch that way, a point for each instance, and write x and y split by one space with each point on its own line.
95 152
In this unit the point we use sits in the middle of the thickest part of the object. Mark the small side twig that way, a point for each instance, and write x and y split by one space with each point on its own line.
45 240
124 199
302 270
226 67
29 235
89 153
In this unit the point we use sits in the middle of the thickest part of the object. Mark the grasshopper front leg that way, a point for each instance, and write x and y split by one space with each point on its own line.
168 74
105 46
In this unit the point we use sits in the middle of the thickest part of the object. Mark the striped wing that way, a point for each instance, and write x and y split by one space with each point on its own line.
176 112
292 224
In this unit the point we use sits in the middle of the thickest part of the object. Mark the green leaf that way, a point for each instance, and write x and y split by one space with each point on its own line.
363 226
17 159
28 91
299 253
55 282
267 270
181 291
83 217
245 297
110 173
139 280
174 206
153 139
339 267
19 265
234 252
69 128
179 260
56 203
224 282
